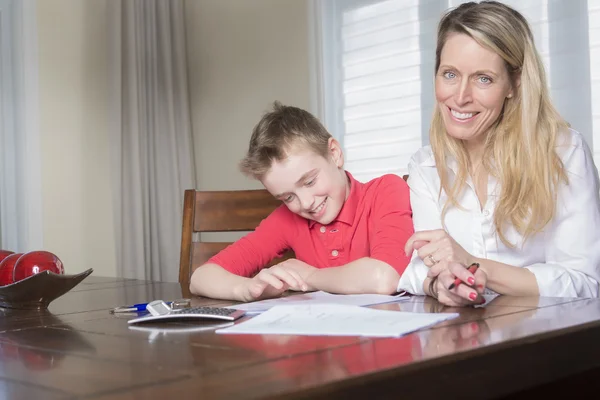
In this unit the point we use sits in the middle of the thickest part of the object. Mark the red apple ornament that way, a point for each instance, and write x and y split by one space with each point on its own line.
35 262
7 267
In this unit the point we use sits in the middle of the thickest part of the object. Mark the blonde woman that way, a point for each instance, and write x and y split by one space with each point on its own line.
505 183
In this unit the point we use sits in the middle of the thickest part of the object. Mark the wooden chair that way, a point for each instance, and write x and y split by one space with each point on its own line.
219 211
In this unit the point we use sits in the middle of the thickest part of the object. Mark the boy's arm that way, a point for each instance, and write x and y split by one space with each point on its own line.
391 226
365 275
227 274
211 280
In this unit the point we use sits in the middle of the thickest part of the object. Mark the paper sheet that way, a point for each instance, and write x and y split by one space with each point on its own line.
335 320
319 297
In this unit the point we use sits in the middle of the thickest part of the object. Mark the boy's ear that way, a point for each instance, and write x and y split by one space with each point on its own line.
335 150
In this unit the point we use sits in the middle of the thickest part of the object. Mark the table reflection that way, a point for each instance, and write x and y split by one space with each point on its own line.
36 348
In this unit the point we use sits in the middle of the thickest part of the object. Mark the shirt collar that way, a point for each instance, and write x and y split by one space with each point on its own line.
348 210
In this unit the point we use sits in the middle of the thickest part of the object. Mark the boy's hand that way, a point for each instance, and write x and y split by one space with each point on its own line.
301 269
271 282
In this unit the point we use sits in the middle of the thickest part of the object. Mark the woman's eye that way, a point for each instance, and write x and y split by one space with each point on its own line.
449 75
485 79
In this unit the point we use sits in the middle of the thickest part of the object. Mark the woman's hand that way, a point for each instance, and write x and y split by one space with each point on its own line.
454 338
468 292
437 248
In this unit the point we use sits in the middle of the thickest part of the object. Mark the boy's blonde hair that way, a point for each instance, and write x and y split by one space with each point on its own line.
275 134
520 149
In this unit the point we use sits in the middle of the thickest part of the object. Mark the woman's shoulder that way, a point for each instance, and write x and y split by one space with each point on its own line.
571 143
422 158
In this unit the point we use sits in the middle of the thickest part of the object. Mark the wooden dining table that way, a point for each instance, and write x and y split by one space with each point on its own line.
511 347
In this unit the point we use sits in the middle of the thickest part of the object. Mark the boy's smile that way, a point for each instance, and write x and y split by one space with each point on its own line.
309 184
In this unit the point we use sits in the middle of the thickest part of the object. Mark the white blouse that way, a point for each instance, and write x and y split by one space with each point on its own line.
565 257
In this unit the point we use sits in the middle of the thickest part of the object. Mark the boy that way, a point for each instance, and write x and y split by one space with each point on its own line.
348 237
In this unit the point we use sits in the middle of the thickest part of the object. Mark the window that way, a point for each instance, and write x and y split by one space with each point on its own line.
377 60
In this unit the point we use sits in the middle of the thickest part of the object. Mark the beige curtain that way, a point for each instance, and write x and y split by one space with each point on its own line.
151 139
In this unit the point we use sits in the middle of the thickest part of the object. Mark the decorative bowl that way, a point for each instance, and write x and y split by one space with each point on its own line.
38 291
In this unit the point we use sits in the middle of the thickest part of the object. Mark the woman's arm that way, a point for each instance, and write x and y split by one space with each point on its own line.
572 265
426 215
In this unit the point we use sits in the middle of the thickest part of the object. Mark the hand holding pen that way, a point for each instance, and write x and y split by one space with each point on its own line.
472 269
458 286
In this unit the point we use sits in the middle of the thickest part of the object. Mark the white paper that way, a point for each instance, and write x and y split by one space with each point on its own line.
319 297
335 320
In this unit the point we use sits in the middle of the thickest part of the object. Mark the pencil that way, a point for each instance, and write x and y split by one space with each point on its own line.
472 268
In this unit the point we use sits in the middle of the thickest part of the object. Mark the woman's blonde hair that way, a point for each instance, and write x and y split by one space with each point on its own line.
520 147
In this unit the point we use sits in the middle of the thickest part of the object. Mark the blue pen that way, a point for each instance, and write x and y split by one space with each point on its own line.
132 308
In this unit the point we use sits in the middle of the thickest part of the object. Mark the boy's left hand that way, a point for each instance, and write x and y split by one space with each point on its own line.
299 267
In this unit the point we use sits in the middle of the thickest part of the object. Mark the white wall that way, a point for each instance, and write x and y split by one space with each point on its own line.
242 55
73 82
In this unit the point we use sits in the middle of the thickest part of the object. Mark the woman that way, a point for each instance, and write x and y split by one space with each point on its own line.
506 183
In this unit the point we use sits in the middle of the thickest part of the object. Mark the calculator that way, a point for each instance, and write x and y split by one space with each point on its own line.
160 311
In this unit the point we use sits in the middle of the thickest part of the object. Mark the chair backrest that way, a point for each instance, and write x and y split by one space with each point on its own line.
219 211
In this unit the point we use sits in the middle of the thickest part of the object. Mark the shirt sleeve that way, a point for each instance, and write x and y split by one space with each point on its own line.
391 222
572 267
252 252
426 216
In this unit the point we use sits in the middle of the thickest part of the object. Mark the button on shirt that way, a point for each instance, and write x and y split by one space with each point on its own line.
564 257
375 221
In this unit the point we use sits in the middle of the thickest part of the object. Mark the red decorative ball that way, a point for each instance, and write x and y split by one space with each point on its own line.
7 267
35 262
5 253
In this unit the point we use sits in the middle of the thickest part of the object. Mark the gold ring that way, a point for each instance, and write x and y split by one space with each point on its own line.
433 260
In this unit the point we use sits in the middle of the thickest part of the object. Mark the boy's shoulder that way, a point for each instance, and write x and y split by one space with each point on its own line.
386 184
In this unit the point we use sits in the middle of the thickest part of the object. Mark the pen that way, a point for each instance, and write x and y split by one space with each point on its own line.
131 308
472 268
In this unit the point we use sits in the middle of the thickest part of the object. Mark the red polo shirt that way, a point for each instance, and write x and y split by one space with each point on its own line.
375 221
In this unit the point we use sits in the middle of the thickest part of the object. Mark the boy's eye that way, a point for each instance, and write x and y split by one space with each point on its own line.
288 198
310 183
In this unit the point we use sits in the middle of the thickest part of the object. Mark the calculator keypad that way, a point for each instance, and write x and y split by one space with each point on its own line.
205 310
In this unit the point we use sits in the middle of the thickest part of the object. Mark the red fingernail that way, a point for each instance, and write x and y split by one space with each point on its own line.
474 327
473 296
471 281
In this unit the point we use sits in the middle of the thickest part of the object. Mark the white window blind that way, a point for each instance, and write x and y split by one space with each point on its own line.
594 43
380 62
377 60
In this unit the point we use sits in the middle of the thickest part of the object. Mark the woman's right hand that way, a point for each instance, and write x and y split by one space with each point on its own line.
464 294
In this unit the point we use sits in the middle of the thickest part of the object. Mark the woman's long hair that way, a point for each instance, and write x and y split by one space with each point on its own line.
520 147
